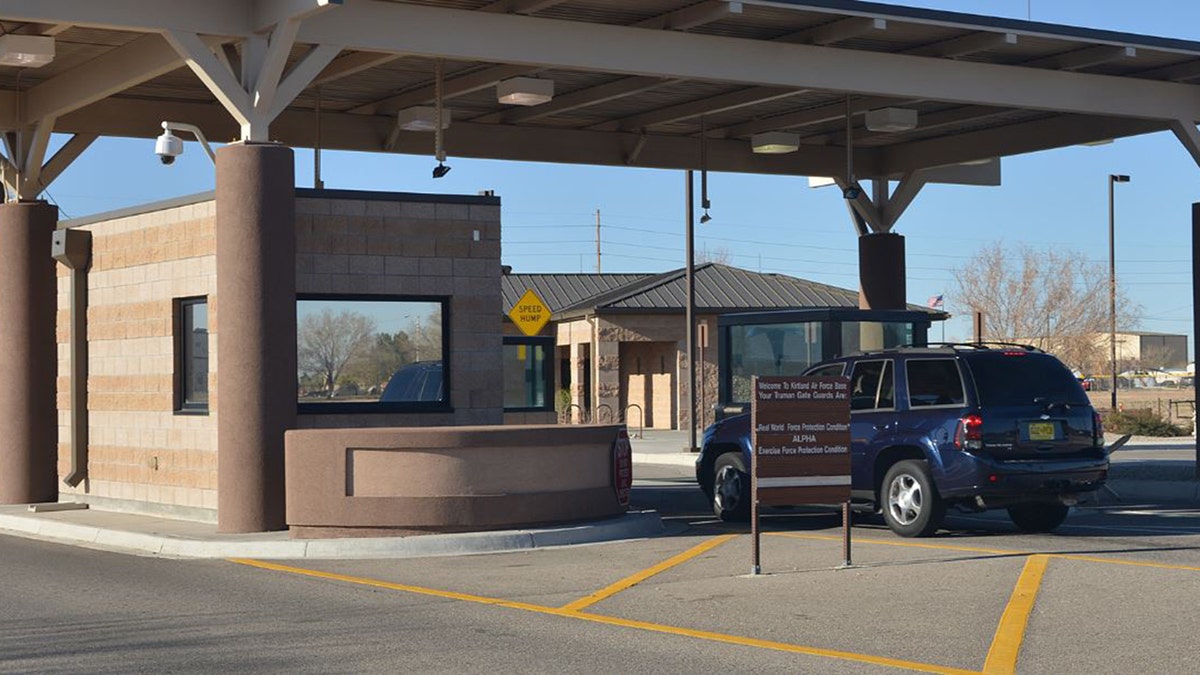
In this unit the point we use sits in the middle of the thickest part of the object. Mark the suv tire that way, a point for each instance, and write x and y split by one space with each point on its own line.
731 489
910 503
1040 517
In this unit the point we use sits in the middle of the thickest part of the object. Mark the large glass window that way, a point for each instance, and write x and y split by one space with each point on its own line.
771 349
191 355
527 373
371 354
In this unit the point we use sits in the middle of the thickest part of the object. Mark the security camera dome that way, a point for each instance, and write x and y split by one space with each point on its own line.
168 146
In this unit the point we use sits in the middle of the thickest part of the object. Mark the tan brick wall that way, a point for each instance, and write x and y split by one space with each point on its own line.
374 247
144 456
139 450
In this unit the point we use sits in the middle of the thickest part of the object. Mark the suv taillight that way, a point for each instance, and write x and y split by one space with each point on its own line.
969 434
1097 430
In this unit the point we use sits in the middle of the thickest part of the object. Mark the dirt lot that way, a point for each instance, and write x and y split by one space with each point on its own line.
1158 399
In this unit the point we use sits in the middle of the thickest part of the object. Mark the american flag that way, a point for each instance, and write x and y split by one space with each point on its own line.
937 301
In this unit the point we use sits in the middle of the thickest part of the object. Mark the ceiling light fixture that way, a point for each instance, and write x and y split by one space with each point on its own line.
775 142
891 120
26 51
420 118
525 91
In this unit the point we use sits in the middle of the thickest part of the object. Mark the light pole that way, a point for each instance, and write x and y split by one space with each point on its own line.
1113 178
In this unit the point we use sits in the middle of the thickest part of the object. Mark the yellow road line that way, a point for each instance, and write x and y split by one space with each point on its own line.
1006 645
1133 563
907 544
635 579
994 551
613 621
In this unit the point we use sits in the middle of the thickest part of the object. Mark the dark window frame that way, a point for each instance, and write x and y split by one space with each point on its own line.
385 407
179 310
548 345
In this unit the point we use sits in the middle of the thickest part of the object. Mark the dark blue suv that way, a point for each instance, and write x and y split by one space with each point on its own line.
971 426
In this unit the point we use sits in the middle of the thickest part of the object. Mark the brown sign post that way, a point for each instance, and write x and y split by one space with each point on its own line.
800 433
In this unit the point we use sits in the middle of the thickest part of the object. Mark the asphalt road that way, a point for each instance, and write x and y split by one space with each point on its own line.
1116 590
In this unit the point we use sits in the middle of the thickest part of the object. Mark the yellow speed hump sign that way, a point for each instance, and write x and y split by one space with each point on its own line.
530 313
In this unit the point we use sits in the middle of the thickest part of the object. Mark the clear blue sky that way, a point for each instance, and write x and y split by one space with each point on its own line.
1054 199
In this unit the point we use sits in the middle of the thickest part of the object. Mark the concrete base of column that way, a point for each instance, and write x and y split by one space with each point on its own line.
256 332
881 271
28 354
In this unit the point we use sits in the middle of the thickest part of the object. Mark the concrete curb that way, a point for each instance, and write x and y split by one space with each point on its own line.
668 459
633 525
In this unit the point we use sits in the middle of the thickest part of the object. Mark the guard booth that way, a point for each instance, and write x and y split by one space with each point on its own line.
789 342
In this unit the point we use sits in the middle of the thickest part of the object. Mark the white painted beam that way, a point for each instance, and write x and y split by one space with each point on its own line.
214 74
301 76
1084 58
906 191
266 81
1053 131
341 131
801 118
863 206
207 17
451 87
965 45
473 36
705 106
139 61
692 16
68 153
520 6
265 15
1185 131
580 98
836 31
351 64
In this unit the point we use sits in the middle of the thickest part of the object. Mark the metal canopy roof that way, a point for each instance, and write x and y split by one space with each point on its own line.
635 80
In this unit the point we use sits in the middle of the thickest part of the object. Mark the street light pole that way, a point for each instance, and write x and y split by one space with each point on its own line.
1112 285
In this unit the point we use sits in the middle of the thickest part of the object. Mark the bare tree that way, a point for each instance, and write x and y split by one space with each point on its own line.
1054 299
719 255
328 341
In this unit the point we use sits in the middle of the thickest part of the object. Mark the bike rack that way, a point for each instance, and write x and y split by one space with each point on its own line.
641 418
607 407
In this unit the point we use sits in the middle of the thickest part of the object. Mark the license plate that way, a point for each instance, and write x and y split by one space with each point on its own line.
1041 431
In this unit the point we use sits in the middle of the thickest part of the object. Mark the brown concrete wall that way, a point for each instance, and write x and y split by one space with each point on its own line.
27 430
881 271
364 482
142 456
384 247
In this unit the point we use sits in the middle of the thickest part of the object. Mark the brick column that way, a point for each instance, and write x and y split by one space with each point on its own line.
256 332
28 354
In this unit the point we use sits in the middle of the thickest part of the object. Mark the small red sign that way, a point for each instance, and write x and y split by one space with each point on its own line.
622 467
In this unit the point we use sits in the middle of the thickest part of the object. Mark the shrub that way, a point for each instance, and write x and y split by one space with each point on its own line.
1140 422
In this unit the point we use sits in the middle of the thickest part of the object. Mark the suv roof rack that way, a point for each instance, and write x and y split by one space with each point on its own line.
987 344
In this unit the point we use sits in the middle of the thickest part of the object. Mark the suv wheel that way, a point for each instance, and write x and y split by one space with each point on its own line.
1038 517
731 489
910 503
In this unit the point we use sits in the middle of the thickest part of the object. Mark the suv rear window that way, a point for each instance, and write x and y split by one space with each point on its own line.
933 382
1023 378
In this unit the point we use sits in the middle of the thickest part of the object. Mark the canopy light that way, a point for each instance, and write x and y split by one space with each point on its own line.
892 119
525 91
775 142
421 118
26 51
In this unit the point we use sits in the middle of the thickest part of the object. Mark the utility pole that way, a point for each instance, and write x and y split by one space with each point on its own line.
597 241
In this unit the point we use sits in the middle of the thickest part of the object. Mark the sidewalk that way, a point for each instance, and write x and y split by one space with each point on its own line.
1146 471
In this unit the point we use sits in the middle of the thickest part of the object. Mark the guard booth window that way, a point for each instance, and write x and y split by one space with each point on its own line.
527 373
191 355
